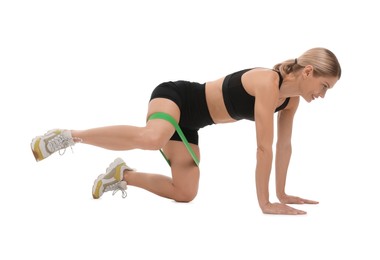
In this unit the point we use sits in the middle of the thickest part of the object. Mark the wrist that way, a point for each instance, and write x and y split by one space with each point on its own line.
280 192
263 203
281 195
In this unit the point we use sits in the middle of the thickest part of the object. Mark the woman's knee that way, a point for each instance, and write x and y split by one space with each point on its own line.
185 195
153 140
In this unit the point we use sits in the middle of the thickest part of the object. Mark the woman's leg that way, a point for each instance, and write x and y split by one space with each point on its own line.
153 136
183 186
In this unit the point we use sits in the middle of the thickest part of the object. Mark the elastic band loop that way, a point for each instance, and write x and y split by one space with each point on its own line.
170 119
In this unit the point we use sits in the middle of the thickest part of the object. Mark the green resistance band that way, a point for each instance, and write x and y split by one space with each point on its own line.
170 119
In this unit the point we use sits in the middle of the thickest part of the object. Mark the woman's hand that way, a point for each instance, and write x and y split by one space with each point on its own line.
287 199
279 208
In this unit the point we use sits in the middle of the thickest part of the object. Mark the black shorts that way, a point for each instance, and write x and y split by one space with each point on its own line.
190 97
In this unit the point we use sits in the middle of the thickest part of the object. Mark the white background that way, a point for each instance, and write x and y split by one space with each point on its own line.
82 64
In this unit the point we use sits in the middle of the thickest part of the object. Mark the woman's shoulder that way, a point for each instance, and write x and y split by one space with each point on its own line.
263 72
261 79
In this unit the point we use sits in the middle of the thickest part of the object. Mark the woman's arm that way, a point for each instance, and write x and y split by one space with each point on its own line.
264 137
284 151
264 86
266 99
264 132
284 145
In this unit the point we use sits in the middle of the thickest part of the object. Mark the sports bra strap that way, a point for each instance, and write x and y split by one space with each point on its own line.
280 80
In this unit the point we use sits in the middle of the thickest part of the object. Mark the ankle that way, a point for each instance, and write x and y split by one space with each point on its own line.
127 175
75 136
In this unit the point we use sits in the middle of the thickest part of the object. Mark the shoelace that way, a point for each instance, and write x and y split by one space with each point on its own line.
59 142
122 186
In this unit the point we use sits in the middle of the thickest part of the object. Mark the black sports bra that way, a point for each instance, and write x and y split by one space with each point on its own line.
240 104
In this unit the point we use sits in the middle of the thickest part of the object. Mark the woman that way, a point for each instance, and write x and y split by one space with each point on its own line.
253 94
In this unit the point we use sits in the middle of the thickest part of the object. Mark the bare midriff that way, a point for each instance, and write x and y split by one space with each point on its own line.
215 102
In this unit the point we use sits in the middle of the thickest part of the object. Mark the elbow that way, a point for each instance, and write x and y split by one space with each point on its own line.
264 150
284 146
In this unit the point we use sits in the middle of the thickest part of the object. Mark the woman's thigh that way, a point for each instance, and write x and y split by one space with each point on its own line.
160 130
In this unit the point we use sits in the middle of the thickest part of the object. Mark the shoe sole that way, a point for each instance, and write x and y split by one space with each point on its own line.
98 183
35 146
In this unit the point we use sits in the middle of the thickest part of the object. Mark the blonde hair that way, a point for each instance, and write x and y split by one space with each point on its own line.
324 63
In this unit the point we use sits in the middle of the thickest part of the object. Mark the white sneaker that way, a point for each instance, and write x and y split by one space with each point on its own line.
47 144
111 180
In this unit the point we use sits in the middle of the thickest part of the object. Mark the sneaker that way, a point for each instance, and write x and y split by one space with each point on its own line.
112 180
47 144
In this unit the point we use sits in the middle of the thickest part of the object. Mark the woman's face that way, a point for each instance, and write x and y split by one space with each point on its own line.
313 87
